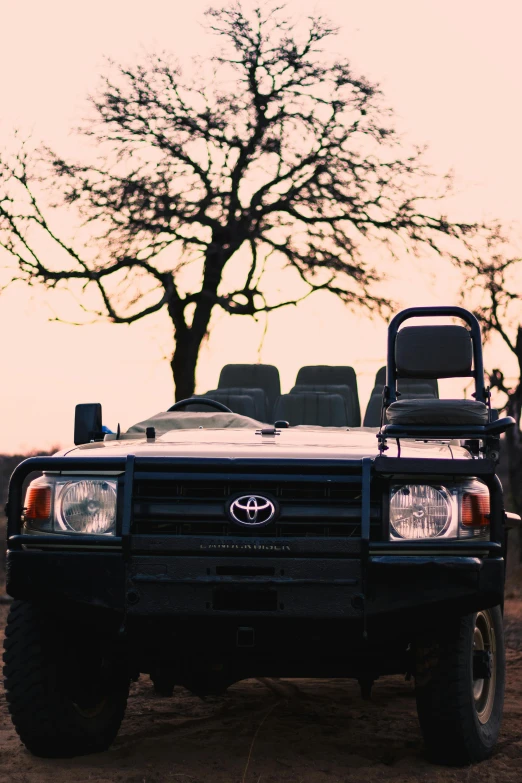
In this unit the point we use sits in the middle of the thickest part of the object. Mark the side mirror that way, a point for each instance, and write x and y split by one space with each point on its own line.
87 423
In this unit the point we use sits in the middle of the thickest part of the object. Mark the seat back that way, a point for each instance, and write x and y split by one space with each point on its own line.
315 408
344 391
332 375
372 415
380 378
433 351
252 376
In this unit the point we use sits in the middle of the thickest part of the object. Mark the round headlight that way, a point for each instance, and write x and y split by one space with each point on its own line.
419 511
89 506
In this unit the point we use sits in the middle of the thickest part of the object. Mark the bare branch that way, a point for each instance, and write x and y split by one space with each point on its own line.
273 154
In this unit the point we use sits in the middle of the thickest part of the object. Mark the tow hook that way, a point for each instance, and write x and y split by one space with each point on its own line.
482 664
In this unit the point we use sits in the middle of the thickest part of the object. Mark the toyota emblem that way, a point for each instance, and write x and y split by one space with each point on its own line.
252 510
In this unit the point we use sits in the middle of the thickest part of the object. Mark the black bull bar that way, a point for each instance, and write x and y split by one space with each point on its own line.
320 577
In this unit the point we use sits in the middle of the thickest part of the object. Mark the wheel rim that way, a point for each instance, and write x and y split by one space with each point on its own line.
484 689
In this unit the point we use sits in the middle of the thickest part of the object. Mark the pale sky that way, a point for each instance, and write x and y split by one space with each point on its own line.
451 71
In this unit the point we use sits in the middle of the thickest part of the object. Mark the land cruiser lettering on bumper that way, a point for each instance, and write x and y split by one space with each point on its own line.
248 547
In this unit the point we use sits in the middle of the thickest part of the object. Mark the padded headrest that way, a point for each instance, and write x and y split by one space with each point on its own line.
257 376
331 375
323 410
433 352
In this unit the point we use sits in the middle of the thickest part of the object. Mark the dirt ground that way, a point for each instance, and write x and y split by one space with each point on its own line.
314 731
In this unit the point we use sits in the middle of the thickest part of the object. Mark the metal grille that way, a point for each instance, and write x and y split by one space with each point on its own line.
195 507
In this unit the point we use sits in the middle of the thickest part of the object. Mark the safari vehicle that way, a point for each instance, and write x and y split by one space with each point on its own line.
248 533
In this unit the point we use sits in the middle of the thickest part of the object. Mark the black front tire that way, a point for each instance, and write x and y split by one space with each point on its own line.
459 712
65 696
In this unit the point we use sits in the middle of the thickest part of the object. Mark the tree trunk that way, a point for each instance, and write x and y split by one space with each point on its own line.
183 365
186 351
189 338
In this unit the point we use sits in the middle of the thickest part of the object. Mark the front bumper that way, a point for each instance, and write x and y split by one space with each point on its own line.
315 588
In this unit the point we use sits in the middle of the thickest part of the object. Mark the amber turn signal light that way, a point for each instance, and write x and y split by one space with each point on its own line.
475 508
38 503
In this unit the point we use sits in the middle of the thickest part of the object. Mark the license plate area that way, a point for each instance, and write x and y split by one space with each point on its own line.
244 599
233 586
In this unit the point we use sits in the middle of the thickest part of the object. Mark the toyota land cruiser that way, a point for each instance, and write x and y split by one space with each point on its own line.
247 533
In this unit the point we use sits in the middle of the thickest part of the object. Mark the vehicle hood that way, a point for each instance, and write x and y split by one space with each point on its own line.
294 443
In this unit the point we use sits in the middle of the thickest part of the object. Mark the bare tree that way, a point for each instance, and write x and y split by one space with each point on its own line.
272 154
492 281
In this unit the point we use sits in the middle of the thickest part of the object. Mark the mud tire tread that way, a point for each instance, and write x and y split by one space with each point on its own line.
452 732
44 717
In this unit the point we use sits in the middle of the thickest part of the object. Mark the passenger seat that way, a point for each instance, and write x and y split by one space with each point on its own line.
245 377
324 375
344 391
315 408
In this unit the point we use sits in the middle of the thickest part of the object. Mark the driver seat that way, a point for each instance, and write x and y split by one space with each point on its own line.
252 376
